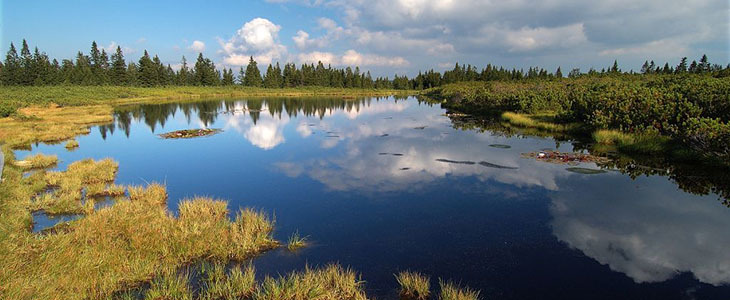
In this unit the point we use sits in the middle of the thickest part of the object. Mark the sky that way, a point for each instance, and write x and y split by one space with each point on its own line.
384 36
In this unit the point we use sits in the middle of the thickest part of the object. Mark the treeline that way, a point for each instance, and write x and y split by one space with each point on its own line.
99 68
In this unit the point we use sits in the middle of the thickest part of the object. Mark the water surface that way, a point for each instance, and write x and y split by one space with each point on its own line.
384 185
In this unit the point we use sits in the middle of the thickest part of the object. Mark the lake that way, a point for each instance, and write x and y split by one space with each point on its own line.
383 185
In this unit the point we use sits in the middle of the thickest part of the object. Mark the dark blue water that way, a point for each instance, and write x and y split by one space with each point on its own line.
377 191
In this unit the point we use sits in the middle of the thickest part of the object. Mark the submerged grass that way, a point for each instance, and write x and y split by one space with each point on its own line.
413 285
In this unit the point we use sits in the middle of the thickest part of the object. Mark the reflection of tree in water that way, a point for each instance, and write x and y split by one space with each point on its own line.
154 115
696 178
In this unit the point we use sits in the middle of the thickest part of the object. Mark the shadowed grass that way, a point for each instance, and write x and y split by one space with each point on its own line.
38 161
413 285
296 242
451 291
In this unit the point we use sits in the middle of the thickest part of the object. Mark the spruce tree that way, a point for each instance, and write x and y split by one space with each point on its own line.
558 73
119 68
253 75
682 66
26 65
82 73
147 71
12 69
184 73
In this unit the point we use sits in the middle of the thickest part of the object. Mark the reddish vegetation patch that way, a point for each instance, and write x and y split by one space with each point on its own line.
558 157
189 133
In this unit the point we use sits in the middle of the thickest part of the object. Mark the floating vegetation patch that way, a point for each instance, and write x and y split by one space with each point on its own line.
72 145
384 135
570 158
460 162
405 169
491 165
500 146
333 136
420 127
586 171
190 133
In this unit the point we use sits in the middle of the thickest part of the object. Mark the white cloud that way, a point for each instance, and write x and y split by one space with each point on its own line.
112 48
352 58
303 42
258 38
197 46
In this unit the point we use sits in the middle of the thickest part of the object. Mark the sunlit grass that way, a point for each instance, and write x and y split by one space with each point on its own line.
451 291
296 242
170 287
413 285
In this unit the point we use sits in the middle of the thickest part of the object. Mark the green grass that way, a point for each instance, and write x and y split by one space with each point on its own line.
330 282
413 285
451 291
541 121
14 97
296 242
640 143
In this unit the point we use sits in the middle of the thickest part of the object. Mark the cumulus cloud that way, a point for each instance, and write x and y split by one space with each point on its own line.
258 38
112 48
197 46
352 58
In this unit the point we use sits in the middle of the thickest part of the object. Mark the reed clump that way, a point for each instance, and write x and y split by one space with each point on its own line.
238 283
330 282
296 242
452 291
413 285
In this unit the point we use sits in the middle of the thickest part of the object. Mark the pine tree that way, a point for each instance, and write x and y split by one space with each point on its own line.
119 68
241 76
132 74
184 73
253 75
82 73
205 73
614 68
558 73
227 77
704 65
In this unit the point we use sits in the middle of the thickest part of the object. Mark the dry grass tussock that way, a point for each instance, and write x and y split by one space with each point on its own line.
413 285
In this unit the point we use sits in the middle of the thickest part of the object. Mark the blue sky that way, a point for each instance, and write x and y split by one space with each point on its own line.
398 36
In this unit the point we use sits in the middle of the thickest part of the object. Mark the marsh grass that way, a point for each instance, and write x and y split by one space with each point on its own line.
451 291
541 121
296 242
641 143
239 283
38 161
330 282
170 287
413 285
71 145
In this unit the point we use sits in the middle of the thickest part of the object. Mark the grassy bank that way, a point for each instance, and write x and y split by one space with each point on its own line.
14 97
655 111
